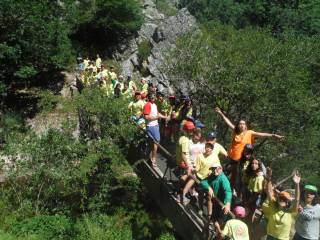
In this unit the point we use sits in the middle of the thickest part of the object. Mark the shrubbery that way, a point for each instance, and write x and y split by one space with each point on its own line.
56 179
144 50
166 8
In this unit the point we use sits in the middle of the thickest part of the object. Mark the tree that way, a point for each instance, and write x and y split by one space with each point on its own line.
299 16
250 74
107 22
33 40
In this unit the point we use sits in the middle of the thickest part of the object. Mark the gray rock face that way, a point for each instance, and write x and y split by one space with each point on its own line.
147 30
162 32
175 26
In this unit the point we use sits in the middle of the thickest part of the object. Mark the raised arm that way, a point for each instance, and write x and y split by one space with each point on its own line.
268 186
227 120
296 180
260 134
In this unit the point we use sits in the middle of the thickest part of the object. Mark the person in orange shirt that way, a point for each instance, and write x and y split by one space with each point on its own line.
240 137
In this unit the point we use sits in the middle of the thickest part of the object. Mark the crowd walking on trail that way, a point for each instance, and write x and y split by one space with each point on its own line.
234 186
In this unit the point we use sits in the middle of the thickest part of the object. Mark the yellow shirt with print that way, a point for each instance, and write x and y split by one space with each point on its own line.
204 163
279 221
182 147
235 229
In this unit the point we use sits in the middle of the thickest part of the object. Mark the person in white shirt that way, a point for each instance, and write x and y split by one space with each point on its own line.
151 116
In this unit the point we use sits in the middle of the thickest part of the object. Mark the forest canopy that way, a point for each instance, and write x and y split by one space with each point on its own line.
302 17
270 82
36 36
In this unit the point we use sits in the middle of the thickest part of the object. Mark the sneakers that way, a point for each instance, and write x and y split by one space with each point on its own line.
183 200
153 163
194 194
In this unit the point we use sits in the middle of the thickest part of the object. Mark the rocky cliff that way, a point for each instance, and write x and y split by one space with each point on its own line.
161 32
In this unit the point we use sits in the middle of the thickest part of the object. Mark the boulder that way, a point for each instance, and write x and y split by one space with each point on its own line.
127 68
146 31
148 4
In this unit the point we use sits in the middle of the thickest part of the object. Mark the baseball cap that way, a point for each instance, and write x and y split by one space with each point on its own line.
311 188
190 118
285 196
199 124
188 125
212 135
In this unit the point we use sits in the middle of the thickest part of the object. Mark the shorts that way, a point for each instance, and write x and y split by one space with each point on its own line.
298 237
153 132
269 237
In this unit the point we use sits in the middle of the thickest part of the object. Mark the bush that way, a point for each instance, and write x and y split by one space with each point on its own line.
107 22
103 227
8 236
166 236
144 50
44 227
47 101
61 175
166 8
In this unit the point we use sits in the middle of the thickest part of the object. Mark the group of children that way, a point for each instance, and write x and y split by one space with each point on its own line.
95 74
234 182
244 184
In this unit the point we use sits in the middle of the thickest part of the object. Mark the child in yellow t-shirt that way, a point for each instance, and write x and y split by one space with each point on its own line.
235 229
253 179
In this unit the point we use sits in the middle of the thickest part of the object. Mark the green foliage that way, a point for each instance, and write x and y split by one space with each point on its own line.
11 125
106 22
118 15
44 227
8 236
144 50
166 8
58 174
33 39
103 227
298 16
25 72
55 177
47 101
166 236
267 81
35 36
